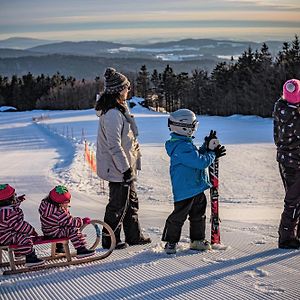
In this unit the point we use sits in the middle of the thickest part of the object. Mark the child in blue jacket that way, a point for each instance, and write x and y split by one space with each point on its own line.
189 179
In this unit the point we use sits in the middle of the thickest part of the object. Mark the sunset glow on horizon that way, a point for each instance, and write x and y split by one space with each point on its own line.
130 21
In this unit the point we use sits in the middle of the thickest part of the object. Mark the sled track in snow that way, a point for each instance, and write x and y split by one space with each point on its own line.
251 268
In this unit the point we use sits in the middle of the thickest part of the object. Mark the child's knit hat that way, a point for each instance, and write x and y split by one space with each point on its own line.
6 191
291 91
60 194
114 82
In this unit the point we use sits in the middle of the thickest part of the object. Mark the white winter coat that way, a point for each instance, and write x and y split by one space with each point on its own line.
117 146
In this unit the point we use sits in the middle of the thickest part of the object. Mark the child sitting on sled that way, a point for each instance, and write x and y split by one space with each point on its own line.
57 221
189 179
13 229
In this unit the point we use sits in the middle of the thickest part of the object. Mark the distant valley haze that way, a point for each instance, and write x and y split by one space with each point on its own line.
88 59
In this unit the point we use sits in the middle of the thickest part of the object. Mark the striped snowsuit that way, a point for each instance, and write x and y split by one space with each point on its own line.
14 230
57 222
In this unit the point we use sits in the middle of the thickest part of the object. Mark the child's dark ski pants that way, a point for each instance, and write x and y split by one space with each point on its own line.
195 208
289 224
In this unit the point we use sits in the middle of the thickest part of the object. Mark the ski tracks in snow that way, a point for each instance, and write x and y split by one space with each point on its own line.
251 267
242 271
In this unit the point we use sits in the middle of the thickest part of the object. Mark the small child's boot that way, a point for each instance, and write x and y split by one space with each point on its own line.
84 252
32 260
59 248
201 245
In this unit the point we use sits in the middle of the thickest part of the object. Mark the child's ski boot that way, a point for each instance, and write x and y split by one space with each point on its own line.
32 260
84 252
201 245
59 248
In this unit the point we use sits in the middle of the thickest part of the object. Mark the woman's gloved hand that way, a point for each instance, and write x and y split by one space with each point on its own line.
128 176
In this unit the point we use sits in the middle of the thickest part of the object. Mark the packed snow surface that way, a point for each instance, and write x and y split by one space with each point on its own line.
35 156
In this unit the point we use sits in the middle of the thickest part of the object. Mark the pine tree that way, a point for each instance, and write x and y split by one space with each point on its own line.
155 80
169 86
15 92
199 88
218 89
143 84
183 91
263 80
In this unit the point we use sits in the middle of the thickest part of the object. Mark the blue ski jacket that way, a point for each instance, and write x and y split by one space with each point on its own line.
187 166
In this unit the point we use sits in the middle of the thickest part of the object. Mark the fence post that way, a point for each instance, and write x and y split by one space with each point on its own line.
82 135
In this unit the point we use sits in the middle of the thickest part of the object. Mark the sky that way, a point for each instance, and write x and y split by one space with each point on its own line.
147 21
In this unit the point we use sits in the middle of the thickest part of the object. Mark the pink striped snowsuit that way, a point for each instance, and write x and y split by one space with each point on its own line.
58 222
14 230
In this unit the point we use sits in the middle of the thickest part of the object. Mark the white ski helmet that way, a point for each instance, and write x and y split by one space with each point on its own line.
183 122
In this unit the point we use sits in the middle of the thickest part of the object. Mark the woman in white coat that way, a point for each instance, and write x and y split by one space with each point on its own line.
118 159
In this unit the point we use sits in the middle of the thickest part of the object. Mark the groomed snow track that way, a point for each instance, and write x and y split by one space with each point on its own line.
251 268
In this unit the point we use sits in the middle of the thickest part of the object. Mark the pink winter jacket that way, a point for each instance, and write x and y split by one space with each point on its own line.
12 223
54 218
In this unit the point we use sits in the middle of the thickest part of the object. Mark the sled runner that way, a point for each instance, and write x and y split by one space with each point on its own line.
93 233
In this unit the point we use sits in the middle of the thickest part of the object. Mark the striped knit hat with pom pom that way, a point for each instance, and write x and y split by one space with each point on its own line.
114 82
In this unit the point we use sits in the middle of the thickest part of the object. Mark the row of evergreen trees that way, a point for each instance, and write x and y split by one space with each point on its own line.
247 86
44 92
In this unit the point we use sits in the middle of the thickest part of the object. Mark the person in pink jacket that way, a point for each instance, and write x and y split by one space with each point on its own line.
57 222
14 230
287 140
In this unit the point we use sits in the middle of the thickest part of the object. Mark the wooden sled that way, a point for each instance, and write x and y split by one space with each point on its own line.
18 266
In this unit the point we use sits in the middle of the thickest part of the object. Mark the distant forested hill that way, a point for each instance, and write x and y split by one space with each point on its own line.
88 59
90 67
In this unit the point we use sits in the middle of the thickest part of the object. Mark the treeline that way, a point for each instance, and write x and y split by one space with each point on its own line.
44 92
248 86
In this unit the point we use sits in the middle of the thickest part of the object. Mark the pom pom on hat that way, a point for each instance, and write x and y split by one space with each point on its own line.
291 91
6 191
60 194
114 82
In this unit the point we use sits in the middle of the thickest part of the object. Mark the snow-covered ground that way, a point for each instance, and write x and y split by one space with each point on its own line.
36 156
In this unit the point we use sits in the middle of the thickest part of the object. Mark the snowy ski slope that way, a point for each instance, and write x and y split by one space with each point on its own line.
35 157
